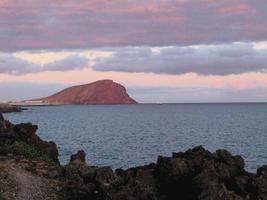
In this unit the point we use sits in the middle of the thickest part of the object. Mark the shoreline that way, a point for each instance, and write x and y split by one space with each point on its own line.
193 174
28 104
7 108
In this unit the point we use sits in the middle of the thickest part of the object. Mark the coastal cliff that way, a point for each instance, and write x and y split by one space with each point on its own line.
30 170
99 92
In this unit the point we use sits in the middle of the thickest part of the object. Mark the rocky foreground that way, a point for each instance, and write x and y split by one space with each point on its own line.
29 169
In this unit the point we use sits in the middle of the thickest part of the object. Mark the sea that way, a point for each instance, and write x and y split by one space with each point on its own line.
124 136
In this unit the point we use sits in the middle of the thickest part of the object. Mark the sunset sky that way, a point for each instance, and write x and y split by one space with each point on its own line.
161 50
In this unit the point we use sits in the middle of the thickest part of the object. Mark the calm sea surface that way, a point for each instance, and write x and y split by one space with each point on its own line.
126 136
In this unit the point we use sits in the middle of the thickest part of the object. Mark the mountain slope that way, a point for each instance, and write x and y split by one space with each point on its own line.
99 92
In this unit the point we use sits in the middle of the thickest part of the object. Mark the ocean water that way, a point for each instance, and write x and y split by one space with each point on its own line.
124 136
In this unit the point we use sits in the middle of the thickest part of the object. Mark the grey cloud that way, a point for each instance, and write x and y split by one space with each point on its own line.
37 24
206 60
15 66
222 60
12 65
237 50
74 62
174 51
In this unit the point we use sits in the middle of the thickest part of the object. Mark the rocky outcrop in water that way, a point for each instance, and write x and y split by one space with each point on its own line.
99 92
196 174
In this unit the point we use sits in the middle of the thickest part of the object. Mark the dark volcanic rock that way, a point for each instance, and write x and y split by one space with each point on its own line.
260 183
1 117
195 174
2 123
78 157
99 92
10 133
27 133
7 136
84 182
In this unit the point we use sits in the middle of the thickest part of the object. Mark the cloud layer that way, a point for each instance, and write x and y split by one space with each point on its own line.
207 60
12 65
58 24
236 58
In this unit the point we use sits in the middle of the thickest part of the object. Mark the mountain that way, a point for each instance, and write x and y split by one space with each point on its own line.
99 92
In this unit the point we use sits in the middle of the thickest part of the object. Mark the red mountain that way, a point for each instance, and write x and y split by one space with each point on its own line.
99 92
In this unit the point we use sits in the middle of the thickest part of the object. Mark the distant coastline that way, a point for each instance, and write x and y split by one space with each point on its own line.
5 108
30 103
41 103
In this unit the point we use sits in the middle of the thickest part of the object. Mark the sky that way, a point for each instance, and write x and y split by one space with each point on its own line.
160 50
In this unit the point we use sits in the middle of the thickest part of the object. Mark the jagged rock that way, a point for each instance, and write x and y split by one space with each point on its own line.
10 133
260 183
1 117
2 123
104 175
27 133
78 157
196 174
135 183
2 126
7 136
85 182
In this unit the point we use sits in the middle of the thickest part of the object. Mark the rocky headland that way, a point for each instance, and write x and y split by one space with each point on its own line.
29 169
102 92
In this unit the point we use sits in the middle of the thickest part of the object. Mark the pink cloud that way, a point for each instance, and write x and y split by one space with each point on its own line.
191 80
240 8
128 23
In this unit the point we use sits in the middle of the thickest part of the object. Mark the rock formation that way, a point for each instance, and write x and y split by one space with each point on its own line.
196 174
26 133
99 92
